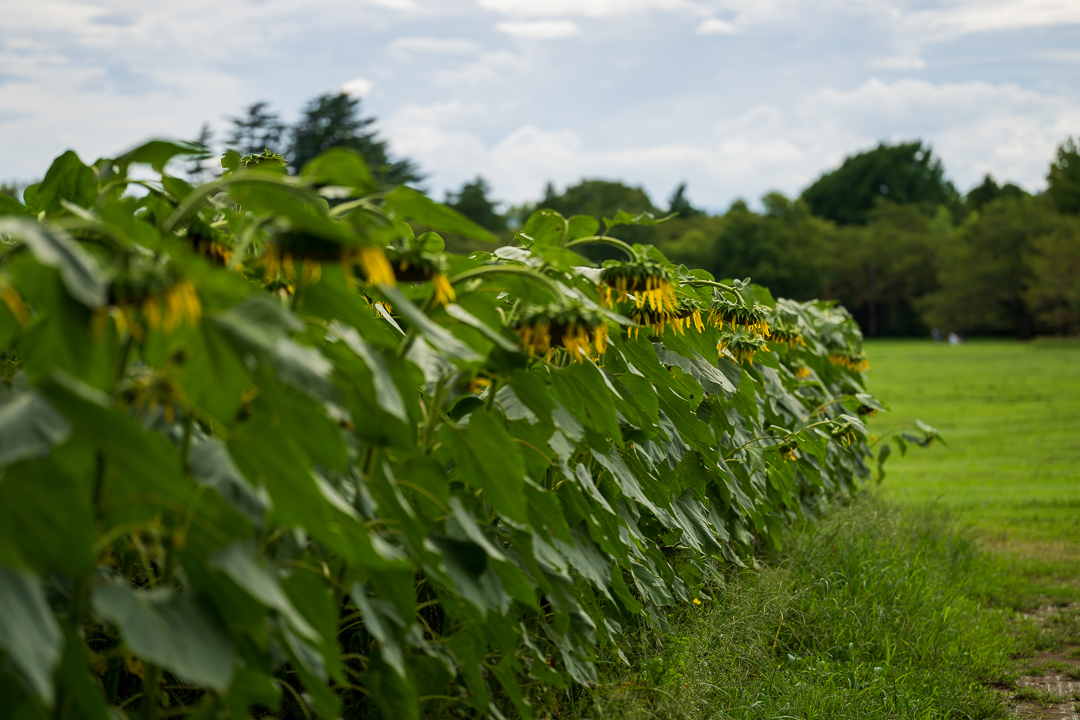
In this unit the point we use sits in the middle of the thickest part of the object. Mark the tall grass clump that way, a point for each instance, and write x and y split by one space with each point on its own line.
867 614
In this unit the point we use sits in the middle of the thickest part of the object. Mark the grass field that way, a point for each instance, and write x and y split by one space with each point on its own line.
1010 413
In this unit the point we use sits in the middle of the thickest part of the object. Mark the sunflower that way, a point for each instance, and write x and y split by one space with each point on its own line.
787 450
753 319
866 411
574 328
643 282
740 345
686 315
853 361
843 432
786 334
802 372
148 294
419 266
149 390
285 249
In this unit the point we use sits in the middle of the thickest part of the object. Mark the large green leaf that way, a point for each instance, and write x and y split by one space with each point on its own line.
29 426
412 205
158 153
29 632
81 273
46 513
211 466
386 392
11 206
67 179
489 459
169 629
438 337
339 166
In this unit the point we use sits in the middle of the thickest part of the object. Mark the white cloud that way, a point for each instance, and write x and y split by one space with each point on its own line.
715 26
973 16
489 67
587 8
904 61
408 48
540 29
358 87
975 127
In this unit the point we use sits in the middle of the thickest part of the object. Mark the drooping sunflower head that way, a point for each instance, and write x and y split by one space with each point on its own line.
784 329
150 294
749 318
688 314
418 266
285 251
642 281
788 450
579 331
741 345
855 361
844 432
802 372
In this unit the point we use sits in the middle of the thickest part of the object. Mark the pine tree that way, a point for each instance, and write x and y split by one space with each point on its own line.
333 120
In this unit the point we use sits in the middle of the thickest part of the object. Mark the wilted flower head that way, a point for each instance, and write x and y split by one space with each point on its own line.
853 361
752 318
149 294
285 249
844 432
740 345
418 266
687 314
783 330
643 282
580 331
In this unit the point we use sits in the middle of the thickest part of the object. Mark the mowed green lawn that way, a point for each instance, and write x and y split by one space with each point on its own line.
1010 413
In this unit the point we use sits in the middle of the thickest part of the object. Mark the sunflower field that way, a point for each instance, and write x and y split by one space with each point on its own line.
265 448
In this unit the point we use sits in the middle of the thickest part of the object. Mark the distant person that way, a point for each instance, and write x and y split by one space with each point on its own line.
936 334
954 339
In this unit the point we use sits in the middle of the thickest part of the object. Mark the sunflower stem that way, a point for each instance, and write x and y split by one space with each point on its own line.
711 283
602 240
551 285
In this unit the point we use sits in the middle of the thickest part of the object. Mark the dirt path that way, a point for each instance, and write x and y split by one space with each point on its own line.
1054 694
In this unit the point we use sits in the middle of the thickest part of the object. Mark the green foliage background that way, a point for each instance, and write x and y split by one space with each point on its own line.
266 447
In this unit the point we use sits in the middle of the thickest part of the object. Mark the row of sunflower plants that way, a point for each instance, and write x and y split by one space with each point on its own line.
266 448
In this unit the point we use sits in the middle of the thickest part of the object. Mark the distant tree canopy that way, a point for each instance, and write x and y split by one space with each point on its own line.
473 202
989 191
599 198
1063 180
903 173
333 120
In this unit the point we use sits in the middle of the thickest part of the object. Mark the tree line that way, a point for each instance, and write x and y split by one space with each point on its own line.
886 234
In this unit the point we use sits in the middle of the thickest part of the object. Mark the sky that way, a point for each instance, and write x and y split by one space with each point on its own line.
734 98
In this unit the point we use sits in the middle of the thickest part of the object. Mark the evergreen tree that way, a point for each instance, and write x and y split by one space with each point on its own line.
258 130
473 202
680 205
333 120
197 169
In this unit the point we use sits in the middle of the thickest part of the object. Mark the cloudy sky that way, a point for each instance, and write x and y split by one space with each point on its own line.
735 97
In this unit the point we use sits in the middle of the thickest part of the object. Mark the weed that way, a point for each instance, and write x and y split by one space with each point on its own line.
1043 697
